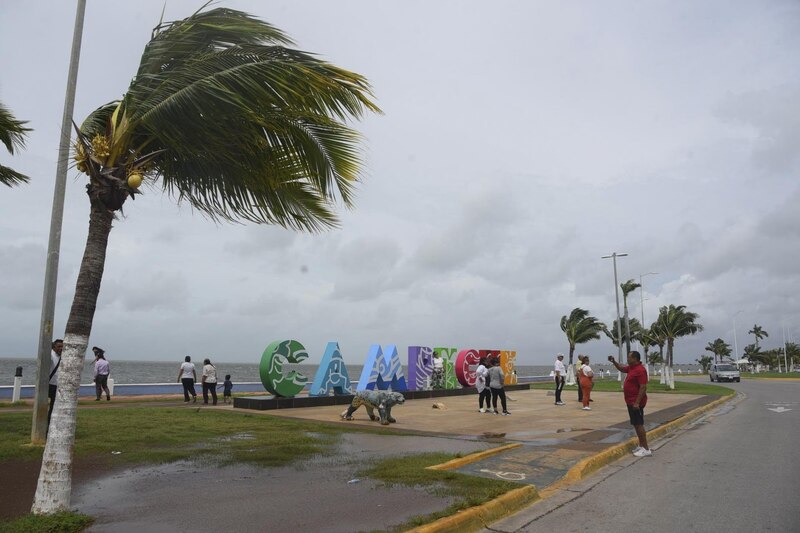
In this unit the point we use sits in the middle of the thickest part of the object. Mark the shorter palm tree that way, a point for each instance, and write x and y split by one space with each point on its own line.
705 363
633 326
719 348
12 135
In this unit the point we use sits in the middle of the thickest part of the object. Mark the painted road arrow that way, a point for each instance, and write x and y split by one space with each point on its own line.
778 409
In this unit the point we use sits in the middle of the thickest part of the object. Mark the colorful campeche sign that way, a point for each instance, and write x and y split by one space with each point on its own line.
382 369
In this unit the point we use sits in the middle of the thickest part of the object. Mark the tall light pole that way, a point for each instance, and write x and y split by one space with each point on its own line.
39 425
613 257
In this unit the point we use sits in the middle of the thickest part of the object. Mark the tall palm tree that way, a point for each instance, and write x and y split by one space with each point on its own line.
12 135
719 348
627 288
228 119
675 322
579 328
758 332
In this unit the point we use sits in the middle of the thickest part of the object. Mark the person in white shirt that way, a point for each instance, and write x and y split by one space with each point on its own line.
101 371
587 380
560 373
480 383
209 381
55 362
438 371
188 376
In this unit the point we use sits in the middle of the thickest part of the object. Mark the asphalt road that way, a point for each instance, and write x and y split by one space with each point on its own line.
735 470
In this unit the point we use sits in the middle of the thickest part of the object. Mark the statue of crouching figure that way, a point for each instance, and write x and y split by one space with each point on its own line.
381 400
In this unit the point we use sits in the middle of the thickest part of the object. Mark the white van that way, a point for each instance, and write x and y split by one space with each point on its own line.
724 372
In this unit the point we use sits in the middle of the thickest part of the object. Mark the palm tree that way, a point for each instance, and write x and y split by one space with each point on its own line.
627 288
647 340
658 338
719 348
758 332
229 120
579 328
632 331
705 363
753 354
12 135
675 322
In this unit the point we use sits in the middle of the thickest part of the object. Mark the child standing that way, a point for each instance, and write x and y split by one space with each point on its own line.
227 387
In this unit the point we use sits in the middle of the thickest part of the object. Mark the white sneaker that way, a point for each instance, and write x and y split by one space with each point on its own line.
560 403
482 410
643 452
633 451
587 408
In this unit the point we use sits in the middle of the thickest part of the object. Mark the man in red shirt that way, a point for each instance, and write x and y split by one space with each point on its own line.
635 392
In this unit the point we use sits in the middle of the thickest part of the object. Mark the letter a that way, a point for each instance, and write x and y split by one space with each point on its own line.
332 374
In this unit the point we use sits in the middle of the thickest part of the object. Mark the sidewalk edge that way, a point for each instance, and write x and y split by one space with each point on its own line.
482 515
473 457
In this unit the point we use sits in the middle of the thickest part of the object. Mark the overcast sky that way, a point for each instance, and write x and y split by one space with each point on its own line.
521 141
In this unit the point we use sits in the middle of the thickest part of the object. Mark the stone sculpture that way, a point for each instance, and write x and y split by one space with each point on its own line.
381 400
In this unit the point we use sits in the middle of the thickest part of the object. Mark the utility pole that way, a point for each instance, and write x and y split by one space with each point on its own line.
39 425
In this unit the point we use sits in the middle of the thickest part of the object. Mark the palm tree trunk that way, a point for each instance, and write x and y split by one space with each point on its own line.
671 378
55 478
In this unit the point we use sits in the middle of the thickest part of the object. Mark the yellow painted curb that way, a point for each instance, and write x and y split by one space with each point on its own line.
475 518
473 457
583 468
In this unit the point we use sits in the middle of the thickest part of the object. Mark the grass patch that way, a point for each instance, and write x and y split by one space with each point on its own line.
653 386
65 522
20 403
410 470
159 434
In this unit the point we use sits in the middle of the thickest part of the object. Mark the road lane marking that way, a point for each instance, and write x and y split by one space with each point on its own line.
779 409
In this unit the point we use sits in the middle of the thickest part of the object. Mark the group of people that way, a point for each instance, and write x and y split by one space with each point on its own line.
187 375
101 372
634 391
490 380
585 376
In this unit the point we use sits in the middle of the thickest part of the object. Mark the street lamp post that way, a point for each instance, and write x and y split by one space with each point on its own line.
613 257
